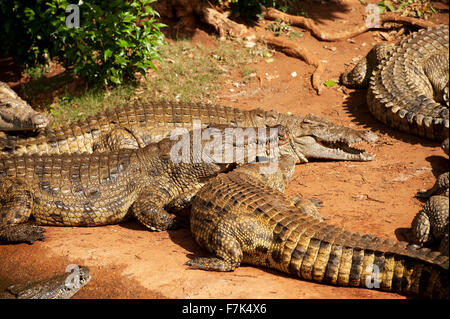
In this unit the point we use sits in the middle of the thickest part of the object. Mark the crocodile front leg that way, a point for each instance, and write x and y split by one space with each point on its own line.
224 245
15 209
149 210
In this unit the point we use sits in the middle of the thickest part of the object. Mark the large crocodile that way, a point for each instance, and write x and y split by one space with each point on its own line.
240 217
106 188
62 286
137 125
408 83
17 115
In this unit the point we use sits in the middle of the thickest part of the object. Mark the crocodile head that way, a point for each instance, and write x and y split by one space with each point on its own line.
314 137
17 115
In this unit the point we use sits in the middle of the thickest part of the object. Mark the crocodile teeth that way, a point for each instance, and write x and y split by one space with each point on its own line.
394 109
419 119
427 121
402 113
438 121
410 117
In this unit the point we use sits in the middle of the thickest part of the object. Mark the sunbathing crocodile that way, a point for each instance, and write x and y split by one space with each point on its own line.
17 115
137 125
430 225
408 83
106 188
240 217
62 286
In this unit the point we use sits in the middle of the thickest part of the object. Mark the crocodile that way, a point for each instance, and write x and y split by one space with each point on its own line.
106 188
430 225
61 286
240 217
408 83
17 115
141 123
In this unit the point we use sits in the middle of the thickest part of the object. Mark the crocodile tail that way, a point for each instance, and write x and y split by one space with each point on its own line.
328 254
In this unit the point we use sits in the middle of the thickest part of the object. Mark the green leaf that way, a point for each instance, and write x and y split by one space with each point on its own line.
404 4
390 7
381 6
122 43
114 79
330 83
107 54
121 60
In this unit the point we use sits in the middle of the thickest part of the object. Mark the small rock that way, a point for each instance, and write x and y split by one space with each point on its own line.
294 74
386 36
360 197
363 44
351 40
249 44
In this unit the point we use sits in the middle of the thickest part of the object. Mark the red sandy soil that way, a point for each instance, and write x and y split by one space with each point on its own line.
377 197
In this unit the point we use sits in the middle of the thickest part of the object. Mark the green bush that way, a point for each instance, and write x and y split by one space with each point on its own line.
114 40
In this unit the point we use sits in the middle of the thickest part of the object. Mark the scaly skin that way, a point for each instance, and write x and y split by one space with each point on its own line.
240 218
408 87
105 188
62 286
17 115
135 126
430 225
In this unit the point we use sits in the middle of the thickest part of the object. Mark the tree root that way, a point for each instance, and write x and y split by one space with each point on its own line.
310 25
224 26
291 48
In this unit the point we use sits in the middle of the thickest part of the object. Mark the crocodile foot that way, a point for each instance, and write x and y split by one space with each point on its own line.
21 233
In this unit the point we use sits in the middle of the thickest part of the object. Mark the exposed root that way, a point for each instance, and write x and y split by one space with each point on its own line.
225 26
291 48
317 32
222 24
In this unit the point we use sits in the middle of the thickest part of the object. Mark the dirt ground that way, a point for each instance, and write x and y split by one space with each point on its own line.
376 197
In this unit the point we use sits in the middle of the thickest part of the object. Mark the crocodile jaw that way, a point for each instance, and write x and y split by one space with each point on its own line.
307 147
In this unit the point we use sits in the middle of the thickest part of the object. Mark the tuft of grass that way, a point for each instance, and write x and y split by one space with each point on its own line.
247 73
69 108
